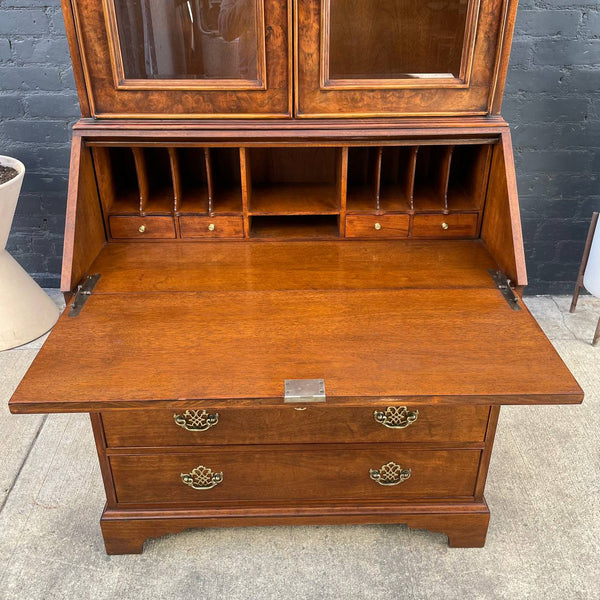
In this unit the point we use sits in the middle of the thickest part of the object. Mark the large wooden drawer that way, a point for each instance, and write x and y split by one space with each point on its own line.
281 473
289 424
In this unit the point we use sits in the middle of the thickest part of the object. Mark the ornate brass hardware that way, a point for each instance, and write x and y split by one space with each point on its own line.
202 478
211 227
142 228
445 226
377 226
196 420
396 417
390 474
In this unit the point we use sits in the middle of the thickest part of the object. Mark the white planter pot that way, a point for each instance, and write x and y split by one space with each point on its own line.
591 277
26 312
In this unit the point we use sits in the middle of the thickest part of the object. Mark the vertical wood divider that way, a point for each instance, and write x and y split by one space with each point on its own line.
377 178
176 177
342 187
209 181
142 176
445 175
411 174
104 178
246 179
481 193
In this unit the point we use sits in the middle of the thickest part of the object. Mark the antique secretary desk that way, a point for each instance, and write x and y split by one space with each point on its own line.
293 263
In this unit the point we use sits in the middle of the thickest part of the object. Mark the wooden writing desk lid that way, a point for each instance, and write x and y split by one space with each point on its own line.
429 344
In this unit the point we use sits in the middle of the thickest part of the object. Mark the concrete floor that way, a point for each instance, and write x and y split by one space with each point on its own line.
543 491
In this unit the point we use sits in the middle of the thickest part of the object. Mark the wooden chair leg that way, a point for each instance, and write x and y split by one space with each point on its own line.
584 260
575 297
596 335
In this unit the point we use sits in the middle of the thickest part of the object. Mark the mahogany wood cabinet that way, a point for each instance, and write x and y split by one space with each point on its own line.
293 263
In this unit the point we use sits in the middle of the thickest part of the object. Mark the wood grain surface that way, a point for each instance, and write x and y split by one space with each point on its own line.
156 349
278 473
317 423
465 525
237 266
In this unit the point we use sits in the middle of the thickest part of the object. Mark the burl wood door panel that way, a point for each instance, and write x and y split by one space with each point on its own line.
388 58
199 60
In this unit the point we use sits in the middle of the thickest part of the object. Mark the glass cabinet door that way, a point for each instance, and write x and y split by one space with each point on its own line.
159 43
191 58
396 57
395 40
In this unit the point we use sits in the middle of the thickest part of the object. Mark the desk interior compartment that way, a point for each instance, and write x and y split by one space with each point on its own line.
296 227
294 181
431 178
468 178
155 176
117 179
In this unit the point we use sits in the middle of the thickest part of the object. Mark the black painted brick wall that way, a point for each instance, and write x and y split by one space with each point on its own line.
552 102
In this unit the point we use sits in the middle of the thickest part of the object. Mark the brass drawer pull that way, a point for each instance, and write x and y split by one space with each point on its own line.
202 478
390 474
196 420
396 417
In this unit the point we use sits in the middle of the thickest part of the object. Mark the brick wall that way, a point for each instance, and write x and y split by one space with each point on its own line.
552 102
37 106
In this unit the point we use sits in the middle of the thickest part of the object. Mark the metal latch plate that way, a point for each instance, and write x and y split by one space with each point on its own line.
503 284
84 291
305 390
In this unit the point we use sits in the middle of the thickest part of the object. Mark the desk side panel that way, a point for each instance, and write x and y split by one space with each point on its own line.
84 228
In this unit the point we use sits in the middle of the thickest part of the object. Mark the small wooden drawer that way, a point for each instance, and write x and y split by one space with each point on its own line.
294 425
282 473
445 226
384 226
194 226
142 227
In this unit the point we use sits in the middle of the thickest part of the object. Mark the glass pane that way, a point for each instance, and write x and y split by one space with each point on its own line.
396 39
188 39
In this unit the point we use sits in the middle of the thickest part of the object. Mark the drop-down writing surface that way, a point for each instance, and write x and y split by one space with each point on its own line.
154 349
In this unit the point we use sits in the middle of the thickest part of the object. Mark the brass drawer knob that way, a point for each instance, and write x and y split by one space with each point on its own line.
142 228
390 474
396 417
202 478
196 420
378 226
445 226
211 227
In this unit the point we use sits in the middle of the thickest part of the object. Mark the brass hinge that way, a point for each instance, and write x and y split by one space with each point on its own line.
304 390
84 291
503 284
